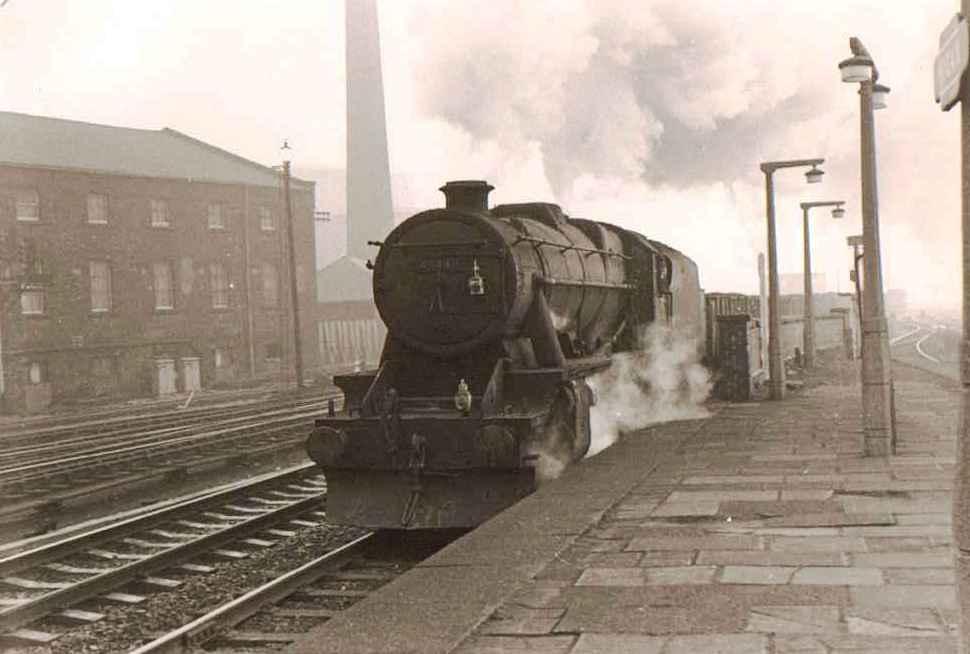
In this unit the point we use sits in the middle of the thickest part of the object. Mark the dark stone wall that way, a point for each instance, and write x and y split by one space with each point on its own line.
86 354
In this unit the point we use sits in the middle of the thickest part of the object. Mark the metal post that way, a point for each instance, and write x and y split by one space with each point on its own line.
856 258
961 484
808 329
876 369
776 371
763 309
294 295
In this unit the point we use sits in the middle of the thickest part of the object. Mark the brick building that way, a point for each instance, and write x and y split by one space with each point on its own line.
142 262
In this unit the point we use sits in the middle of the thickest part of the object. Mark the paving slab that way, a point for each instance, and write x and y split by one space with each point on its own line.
761 529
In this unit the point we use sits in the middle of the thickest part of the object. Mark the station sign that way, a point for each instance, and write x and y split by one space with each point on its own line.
951 61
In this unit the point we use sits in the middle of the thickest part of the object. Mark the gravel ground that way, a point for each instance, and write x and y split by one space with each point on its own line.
125 627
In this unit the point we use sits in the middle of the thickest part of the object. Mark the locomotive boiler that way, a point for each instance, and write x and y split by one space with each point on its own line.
496 318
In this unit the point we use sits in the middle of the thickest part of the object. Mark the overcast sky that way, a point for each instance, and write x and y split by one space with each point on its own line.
653 115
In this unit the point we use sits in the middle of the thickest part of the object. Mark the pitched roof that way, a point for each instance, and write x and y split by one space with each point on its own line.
40 141
345 280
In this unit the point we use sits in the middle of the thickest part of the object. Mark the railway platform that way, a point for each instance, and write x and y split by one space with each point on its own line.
758 530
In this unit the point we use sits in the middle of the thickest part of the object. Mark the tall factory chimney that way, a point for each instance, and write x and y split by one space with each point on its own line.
369 213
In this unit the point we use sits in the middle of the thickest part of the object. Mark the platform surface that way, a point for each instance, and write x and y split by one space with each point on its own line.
759 530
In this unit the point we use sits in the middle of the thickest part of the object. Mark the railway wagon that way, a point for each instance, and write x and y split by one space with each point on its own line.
496 318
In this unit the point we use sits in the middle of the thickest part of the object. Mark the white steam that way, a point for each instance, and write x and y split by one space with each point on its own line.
660 382
661 90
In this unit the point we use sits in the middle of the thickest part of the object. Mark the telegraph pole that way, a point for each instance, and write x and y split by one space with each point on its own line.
294 295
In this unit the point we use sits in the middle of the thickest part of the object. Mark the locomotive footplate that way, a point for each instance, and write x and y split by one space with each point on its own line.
449 443
382 499
421 472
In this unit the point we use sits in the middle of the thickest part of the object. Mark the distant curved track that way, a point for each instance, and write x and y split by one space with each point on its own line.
905 335
908 348
922 353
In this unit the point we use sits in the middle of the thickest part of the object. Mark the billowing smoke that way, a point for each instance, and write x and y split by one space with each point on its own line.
662 381
658 90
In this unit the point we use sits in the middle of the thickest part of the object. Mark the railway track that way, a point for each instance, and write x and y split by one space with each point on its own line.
38 482
50 582
83 431
284 609
909 348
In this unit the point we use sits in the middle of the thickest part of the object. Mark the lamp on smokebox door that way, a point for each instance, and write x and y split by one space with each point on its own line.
776 369
808 326
877 389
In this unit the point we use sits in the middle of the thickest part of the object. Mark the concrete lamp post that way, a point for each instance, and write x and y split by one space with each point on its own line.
776 370
808 332
877 401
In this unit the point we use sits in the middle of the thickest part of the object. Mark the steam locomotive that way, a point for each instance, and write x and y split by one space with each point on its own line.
496 319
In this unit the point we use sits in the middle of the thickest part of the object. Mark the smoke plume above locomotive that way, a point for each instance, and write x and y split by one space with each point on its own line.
620 104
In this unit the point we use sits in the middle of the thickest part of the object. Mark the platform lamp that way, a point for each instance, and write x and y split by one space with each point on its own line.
776 369
877 393
808 331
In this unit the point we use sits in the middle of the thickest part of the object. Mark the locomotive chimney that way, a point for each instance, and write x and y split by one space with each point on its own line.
467 194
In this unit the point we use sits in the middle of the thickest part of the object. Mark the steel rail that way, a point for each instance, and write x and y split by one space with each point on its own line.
16 616
919 348
899 338
65 424
36 542
99 476
230 418
140 447
52 500
190 636
61 548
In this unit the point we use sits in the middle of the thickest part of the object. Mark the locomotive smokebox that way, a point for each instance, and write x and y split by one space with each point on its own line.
467 194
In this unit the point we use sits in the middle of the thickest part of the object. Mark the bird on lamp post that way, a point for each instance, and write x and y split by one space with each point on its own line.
877 392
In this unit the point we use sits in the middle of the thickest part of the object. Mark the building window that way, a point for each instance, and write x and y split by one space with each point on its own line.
218 286
100 286
219 358
217 218
274 351
164 286
160 216
271 285
267 222
35 372
28 206
33 302
97 208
